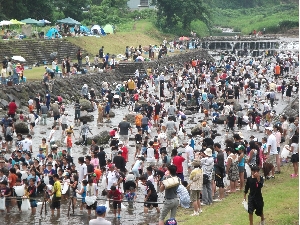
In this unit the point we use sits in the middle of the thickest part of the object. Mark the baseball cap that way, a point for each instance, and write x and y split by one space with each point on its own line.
240 147
100 209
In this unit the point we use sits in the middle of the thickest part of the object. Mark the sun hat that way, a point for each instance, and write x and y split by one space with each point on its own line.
208 152
196 162
100 209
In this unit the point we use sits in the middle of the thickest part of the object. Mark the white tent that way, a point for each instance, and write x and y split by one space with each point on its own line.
5 23
96 27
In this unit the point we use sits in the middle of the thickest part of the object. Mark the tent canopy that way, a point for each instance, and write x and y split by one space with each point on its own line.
52 32
108 29
31 21
98 28
14 21
69 21
44 21
5 23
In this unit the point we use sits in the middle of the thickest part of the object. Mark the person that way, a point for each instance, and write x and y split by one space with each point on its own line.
272 150
123 128
232 169
171 203
241 165
101 213
77 108
113 178
219 171
255 183
92 190
196 178
130 196
5 192
12 108
82 173
150 196
84 132
32 194
56 192
83 192
294 149
117 197
207 163
177 161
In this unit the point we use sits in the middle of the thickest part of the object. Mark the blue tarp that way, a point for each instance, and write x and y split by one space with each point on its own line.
51 33
83 29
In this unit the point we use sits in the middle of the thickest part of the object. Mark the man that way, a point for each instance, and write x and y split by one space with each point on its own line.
101 50
56 192
101 213
177 161
102 157
150 195
82 171
123 128
272 149
207 163
284 126
171 127
85 91
89 167
100 113
44 113
37 100
172 112
189 154
113 178
196 178
19 158
12 108
144 122
219 171
27 144
56 114
119 162
50 72
230 121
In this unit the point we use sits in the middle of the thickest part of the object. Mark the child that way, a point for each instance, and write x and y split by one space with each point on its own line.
130 197
92 190
5 192
264 148
113 132
32 194
66 181
295 156
21 116
41 155
254 183
19 199
82 192
257 121
56 192
156 147
117 197
69 143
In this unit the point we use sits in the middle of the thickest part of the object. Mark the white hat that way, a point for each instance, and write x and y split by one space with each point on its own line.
208 152
66 112
120 142
85 85
241 135
269 128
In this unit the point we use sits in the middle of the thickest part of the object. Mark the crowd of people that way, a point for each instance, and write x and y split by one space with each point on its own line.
233 95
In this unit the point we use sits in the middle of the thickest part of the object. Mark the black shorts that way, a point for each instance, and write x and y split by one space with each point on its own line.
129 184
151 199
219 181
32 124
257 205
117 205
55 204
162 149
295 158
93 207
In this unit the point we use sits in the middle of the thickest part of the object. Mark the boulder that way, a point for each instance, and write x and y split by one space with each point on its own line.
84 116
111 114
21 128
101 138
85 105
187 112
221 119
130 118
196 130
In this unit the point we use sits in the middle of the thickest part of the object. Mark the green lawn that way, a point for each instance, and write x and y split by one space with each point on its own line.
36 73
281 197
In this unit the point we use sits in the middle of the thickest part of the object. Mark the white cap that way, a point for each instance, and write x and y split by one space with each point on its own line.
269 128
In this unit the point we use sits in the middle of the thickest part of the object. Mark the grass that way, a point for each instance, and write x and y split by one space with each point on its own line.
141 32
36 73
281 198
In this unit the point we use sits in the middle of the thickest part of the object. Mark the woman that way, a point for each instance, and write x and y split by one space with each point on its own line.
288 92
241 165
278 131
252 154
94 161
171 203
232 169
44 146
294 148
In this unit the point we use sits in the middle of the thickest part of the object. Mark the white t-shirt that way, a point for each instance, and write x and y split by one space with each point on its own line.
99 221
162 138
137 165
82 172
54 65
31 118
273 143
26 143
112 178
64 119
296 146
51 134
30 102
150 155
190 151
91 189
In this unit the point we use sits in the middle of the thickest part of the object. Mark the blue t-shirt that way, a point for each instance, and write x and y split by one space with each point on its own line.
192 143
204 96
242 162
130 196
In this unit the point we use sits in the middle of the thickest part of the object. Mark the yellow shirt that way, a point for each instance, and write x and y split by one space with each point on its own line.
131 85
57 189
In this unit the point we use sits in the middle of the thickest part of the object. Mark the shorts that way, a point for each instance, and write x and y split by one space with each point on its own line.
195 195
33 204
77 114
295 158
56 117
129 184
123 138
257 205
151 199
278 150
138 146
55 203
116 205
32 124
136 173
156 117
272 160
241 169
219 181
64 126
93 206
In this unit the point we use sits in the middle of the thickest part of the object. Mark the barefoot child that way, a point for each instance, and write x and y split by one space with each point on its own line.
32 194
82 192
117 197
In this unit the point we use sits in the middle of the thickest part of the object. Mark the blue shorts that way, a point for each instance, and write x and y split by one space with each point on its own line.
56 117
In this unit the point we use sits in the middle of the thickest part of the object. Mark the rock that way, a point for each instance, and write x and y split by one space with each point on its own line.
21 128
85 105
84 116
3 103
221 119
196 130
102 138
111 114
187 112
130 118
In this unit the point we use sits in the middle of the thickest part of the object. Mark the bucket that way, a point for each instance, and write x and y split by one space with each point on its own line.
9 83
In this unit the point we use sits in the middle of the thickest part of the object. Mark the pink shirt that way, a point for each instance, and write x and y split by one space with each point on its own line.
278 138
95 162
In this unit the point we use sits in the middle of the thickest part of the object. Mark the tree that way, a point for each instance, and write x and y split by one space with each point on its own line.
72 8
180 13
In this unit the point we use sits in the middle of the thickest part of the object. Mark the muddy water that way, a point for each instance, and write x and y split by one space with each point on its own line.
135 216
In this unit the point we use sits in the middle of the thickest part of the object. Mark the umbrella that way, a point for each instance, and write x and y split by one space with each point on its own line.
44 21
14 21
31 21
69 21
183 38
5 23
18 58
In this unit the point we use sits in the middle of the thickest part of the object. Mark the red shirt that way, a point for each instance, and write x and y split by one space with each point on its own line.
112 133
177 161
125 153
115 195
12 108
